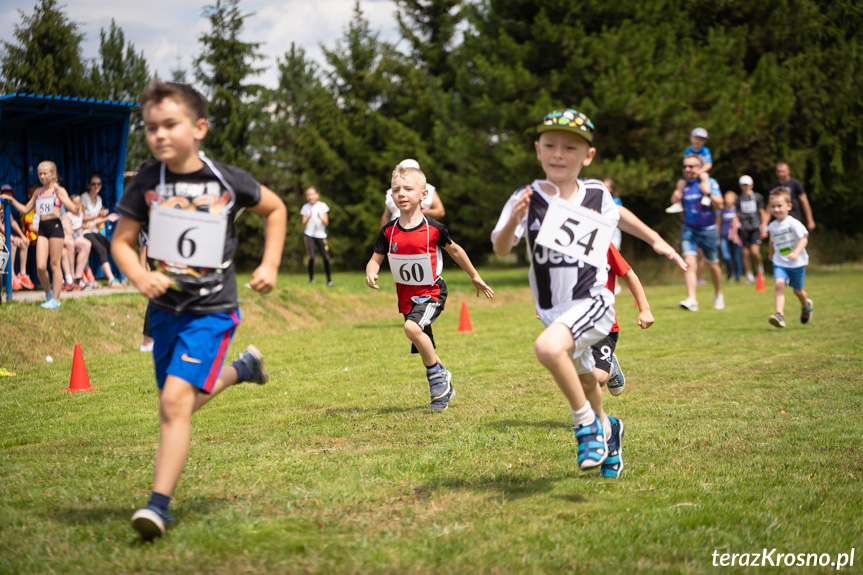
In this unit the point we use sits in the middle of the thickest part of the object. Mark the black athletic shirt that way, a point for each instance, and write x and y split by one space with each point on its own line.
202 291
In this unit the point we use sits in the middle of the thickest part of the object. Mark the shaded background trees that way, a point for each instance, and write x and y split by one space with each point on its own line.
462 90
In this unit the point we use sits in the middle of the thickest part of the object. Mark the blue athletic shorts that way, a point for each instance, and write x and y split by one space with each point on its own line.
794 277
191 347
691 240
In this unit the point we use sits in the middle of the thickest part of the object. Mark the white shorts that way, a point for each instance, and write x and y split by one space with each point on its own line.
589 321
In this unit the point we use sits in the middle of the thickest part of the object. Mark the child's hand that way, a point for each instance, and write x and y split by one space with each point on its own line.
112 217
153 284
264 278
519 210
481 286
371 281
645 319
792 256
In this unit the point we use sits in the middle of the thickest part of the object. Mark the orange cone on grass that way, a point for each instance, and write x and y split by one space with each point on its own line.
79 381
464 321
759 282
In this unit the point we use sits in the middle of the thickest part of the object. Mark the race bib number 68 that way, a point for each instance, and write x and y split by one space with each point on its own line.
577 232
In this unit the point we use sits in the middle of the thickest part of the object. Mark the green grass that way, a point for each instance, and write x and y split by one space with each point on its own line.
739 437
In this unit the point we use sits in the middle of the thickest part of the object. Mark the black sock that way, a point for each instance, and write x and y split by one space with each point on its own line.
160 502
243 371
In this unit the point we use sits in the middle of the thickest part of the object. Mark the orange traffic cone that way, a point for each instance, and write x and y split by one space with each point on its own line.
79 381
759 282
464 321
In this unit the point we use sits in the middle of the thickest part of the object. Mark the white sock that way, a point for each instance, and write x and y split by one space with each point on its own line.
583 416
68 278
606 425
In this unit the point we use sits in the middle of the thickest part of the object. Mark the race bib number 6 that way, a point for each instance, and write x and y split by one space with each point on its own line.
195 239
577 232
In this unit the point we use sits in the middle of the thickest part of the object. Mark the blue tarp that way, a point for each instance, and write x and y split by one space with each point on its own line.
82 136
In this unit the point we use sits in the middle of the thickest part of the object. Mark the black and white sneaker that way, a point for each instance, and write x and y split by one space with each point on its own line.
440 388
254 361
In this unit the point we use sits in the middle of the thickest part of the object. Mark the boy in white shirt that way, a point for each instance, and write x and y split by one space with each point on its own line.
788 241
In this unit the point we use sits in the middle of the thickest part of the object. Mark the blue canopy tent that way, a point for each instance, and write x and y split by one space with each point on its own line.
82 136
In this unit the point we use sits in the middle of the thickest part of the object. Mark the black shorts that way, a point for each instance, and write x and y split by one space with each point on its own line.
424 311
750 237
603 349
51 228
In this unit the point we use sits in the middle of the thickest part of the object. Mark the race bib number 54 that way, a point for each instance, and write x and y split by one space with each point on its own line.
577 232
195 239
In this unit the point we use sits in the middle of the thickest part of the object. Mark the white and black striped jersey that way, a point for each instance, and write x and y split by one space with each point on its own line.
555 278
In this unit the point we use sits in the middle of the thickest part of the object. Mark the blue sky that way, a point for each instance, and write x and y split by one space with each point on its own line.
164 38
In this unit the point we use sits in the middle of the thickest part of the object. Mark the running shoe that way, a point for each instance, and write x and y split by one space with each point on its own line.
592 445
719 302
613 465
616 380
806 314
26 281
16 284
777 320
690 304
51 304
115 283
254 361
441 390
150 522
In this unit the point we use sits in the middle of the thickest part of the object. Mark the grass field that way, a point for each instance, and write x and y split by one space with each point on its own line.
740 437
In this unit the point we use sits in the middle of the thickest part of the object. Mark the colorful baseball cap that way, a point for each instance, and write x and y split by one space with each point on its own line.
6 188
567 120
745 180
699 133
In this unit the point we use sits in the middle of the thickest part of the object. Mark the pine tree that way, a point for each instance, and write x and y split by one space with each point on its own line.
47 58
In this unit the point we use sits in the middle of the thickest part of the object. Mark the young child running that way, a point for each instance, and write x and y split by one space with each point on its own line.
607 369
567 243
407 241
788 241
188 203
47 201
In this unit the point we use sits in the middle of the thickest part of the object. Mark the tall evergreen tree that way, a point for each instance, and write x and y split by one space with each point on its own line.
47 58
223 69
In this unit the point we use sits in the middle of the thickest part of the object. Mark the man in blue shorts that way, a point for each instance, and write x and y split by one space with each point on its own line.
699 230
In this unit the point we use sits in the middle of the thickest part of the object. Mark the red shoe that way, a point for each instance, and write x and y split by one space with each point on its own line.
16 284
26 281
78 284
67 287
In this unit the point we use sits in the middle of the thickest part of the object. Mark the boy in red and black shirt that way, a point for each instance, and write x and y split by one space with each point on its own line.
413 243
607 369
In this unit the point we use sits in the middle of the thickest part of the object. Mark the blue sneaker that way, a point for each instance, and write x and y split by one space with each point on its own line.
616 379
440 388
254 361
51 304
592 446
49 296
150 522
613 465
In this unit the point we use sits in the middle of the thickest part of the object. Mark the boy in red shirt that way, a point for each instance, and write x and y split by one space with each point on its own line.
607 369
407 242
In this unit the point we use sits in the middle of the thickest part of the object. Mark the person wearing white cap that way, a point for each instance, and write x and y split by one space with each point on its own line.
431 206
697 138
753 216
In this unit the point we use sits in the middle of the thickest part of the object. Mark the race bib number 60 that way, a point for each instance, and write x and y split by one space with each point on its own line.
195 239
413 270
577 232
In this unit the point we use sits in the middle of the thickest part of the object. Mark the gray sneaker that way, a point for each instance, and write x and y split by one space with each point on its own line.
440 388
254 360
616 380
